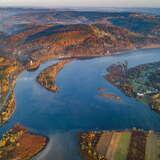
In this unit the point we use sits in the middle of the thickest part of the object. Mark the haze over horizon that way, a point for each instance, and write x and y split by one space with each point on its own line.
80 3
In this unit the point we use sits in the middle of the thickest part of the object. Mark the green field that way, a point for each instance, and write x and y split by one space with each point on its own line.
123 145
152 147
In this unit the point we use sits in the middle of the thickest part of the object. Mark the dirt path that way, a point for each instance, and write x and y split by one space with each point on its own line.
103 143
112 146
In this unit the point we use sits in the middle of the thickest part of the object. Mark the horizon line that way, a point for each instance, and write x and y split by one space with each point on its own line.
76 7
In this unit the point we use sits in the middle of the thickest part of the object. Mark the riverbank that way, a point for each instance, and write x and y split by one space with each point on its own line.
116 145
19 143
48 76
9 70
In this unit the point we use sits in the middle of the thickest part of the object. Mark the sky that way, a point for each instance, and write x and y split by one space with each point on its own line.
81 3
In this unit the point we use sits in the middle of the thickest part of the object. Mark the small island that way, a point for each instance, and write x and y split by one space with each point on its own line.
19 143
110 96
47 77
133 144
141 82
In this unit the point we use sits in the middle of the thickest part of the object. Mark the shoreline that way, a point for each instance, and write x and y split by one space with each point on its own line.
125 51
45 145
23 143
10 73
48 76
123 78
134 49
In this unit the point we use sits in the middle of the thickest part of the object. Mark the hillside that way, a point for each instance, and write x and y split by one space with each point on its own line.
42 34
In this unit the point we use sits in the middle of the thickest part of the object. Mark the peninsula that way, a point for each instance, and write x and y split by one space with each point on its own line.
19 143
141 82
48 76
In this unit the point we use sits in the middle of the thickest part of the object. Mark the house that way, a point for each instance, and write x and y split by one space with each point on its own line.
140 94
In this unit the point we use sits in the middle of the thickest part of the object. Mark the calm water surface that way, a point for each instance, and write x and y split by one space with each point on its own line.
77 106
